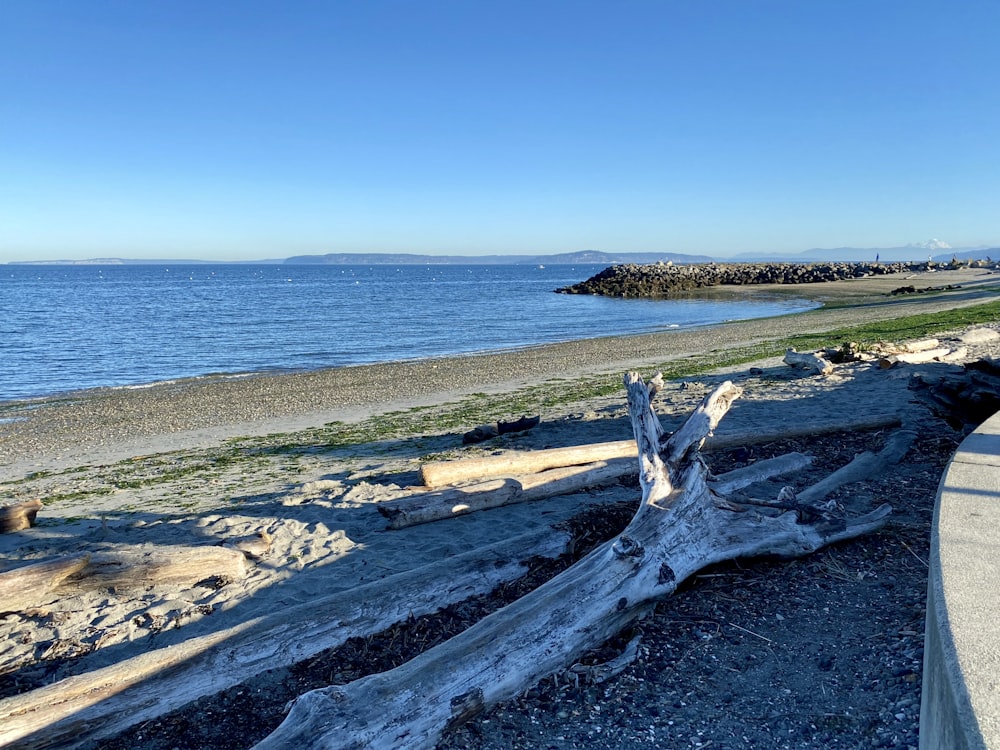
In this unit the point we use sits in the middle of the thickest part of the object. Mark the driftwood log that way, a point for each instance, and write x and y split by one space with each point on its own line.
80 710
914 358
124 567
808 361
437 474
23 587
435 506
20 516
681 526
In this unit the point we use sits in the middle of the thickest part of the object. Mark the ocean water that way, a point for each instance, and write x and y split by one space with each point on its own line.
65 328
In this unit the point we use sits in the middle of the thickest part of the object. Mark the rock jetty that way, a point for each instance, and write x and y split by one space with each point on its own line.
664 279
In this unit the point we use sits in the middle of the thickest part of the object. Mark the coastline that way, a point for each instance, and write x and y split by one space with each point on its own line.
111 424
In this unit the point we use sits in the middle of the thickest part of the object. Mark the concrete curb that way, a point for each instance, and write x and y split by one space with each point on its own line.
960 705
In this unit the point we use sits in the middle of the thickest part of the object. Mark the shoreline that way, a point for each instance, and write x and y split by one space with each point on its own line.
109 424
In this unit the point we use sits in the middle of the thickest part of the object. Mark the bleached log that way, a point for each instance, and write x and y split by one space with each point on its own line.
442 473
78 711
19 516
680 527
435 506
131 567
915 358
29 585
808 361
758 471
922 345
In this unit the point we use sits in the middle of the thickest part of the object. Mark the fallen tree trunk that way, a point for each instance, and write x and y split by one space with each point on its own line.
125 567
441 473
435 506
921 345
79 710
680 527
22 588
915 358
20 516
131 567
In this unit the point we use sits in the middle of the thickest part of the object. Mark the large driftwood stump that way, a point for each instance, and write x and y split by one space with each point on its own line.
682 525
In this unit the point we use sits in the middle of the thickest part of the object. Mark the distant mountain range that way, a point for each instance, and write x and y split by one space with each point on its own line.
935 249
583 256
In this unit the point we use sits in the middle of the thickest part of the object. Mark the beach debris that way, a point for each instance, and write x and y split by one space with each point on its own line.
480 433
914 358
810 362
254 547
437 475
682 525
120 567
518 425
80 710
27 586
488 431
19 516
424 507
964 397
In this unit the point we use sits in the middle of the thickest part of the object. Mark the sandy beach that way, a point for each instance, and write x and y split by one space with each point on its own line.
215 462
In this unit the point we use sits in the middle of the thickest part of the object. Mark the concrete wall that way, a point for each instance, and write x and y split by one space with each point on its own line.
960 705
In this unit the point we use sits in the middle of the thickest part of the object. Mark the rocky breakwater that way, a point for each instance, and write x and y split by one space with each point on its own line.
664 279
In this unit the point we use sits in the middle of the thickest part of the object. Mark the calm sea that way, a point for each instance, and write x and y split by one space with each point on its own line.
64 328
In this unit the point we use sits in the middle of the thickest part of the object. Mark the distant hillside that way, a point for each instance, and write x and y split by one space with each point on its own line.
978 254
583 256
935 249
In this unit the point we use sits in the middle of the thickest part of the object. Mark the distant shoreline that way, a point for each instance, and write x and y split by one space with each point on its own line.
908 253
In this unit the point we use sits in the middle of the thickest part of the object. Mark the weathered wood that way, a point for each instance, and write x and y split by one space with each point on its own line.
680 527
425 507
19 516
758 471
922 345
915 358
808 361
29 585
131 567
442 473
437 474
78 711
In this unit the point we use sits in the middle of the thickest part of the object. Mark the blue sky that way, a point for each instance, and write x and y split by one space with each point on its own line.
247 130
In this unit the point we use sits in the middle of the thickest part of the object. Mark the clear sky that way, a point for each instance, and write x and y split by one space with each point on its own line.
251 130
